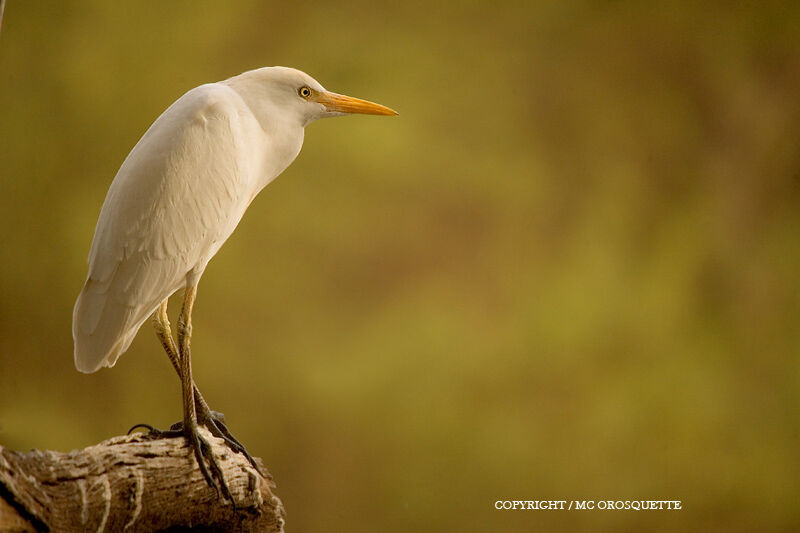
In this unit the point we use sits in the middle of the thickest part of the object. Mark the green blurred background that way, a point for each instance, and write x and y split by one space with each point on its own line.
569 270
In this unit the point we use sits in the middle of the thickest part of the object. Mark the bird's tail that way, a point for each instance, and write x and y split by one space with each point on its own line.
103 328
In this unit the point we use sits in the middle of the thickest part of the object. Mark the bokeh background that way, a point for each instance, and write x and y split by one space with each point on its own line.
570 269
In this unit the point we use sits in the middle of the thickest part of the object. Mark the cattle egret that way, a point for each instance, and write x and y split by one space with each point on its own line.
177 197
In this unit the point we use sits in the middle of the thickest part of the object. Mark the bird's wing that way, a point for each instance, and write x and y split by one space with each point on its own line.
178 196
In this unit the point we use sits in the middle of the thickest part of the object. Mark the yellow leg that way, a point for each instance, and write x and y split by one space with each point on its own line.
164 332
202 448
184 349
196 410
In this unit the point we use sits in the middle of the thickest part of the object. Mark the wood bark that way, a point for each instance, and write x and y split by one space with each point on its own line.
133 483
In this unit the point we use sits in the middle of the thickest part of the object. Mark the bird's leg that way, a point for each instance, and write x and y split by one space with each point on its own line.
213 420
202 448
164 333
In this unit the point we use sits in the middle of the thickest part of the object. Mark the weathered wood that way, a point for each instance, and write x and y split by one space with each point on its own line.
131 483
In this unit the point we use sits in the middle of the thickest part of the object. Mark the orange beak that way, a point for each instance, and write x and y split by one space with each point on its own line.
340 103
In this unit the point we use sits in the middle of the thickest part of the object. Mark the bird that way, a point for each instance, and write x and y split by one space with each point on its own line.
177 197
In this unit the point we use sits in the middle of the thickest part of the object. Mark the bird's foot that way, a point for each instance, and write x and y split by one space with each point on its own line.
203 451
154 433
214 421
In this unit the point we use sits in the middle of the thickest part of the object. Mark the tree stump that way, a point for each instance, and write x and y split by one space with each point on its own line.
133 483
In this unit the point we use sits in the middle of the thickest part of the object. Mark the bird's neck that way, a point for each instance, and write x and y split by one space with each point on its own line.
283 132
284 146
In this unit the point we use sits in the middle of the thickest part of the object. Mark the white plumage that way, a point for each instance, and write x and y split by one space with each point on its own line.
181 192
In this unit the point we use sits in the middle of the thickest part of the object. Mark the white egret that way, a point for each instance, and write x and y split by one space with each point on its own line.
177 197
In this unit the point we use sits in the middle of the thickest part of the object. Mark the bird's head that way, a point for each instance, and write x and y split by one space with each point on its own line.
300 96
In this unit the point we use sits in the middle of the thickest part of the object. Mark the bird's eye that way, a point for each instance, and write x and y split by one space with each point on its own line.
304 91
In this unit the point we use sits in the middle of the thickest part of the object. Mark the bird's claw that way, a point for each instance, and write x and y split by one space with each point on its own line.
214 422
175 430
154 433
203 451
